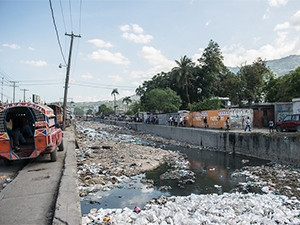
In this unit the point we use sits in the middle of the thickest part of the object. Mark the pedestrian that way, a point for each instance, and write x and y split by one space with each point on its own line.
227 123
205 122
271 126
248 124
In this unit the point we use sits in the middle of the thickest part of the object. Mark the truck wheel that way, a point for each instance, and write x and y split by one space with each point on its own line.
53 156
298 128
61 146
278 129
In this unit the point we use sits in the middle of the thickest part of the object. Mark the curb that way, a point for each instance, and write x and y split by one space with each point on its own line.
67 209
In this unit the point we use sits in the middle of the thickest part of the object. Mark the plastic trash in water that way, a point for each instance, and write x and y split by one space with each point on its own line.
137 209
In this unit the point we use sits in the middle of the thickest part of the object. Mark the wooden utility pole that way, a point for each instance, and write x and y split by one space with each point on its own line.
67 79
24 90
2 91
14 89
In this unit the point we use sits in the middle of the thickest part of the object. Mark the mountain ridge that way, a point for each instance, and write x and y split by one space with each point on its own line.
280 66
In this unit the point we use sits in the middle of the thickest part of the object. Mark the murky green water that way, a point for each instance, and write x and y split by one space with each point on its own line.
212 175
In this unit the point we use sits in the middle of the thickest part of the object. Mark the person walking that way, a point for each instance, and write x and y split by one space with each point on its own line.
271 126
248 124
227 123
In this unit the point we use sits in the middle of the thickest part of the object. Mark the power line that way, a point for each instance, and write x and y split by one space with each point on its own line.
62 12
103 87
80 16
57 35
71 15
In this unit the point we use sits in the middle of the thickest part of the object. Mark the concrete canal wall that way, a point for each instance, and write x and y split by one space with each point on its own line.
282 147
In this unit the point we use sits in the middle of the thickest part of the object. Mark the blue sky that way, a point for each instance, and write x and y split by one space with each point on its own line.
124 42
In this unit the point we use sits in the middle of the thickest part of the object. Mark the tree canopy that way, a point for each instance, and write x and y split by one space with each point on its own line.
210 78
161 100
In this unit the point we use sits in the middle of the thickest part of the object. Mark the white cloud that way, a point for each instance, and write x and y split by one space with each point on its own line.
267 14
295 20
134 33
137 29
277 3
107 56
282 26
31 49
100 43
155 57
12 46
87 76
38 63
159 63
116 78
282 46
125 28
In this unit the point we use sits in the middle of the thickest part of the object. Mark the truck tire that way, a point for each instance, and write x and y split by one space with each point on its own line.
298 128
61 146
53 156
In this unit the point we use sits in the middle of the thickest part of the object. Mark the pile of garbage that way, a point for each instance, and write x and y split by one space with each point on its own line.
234 208
104 159
271 178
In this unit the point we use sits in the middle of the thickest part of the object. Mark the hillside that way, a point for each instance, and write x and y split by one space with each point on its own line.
279 66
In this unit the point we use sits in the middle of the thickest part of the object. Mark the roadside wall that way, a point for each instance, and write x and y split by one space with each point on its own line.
282 147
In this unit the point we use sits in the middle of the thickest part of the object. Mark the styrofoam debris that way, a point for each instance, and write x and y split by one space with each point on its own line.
234 208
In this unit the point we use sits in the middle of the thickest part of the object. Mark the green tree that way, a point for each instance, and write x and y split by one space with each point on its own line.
114 93
232 86
89 112
134 108
162 100
212 71
78 111
254 78
104 110
285 88
127 100
183 72
206 104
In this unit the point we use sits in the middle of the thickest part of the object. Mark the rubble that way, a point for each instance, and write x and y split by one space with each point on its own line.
105 160
234 208
109 157
271 178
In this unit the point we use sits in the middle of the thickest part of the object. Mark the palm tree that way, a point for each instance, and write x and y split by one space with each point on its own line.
127 100
114 93
184 71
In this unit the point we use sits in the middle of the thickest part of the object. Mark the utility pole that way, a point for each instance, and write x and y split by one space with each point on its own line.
24 90
14 88
67 79
2 90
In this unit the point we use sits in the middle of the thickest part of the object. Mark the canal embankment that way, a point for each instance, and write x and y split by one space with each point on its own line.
280 147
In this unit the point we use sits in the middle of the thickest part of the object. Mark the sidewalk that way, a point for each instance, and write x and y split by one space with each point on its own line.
44 191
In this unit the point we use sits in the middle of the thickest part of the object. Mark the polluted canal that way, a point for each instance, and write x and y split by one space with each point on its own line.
125 171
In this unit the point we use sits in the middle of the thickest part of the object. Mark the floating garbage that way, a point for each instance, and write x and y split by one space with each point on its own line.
137 209
234 208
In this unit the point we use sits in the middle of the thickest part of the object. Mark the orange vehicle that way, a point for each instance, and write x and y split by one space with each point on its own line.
28 130
58 111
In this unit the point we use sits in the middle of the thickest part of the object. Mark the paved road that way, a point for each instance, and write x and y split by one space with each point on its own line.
44 192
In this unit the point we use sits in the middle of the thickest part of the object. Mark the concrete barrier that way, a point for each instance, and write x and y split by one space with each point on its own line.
282 147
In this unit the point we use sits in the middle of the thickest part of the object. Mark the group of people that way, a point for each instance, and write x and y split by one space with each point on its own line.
176 121
18 129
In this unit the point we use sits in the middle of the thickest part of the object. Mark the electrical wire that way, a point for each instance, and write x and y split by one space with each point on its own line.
57 35
71 20
80 7
63 17
100 86
104 85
